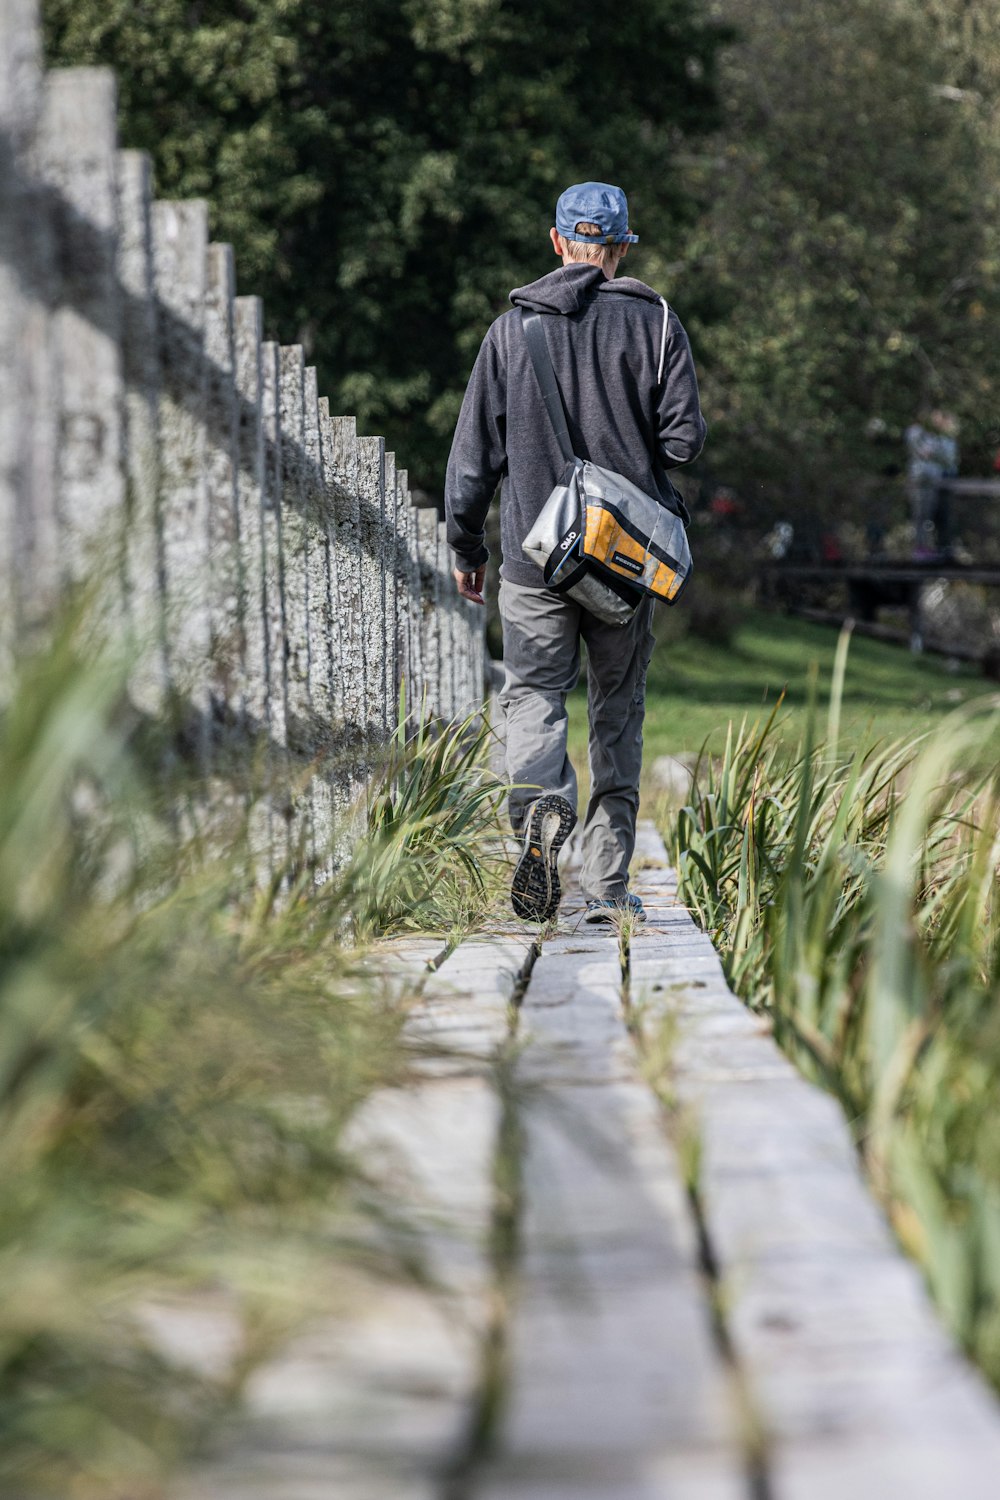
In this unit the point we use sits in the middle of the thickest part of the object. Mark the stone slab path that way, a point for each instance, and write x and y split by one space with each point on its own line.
651 1268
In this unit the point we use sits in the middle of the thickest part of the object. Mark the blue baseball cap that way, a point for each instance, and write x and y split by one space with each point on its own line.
594 203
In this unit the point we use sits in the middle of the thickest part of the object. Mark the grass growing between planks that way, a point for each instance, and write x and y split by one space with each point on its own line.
853 895
180 1054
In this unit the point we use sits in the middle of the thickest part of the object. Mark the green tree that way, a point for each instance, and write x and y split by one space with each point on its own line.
846 272
387 169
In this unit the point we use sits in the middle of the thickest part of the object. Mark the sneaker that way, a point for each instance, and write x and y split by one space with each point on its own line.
534 890
607 911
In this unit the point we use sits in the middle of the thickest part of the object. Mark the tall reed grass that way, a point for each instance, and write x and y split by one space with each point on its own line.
853 896
433 856
179 1055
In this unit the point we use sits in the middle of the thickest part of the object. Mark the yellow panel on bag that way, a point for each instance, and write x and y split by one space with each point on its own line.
604 537
665 582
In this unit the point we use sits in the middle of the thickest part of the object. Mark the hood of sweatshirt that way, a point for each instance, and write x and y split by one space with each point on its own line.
569 288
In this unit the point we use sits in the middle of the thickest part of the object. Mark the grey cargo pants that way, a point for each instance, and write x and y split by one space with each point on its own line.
541 653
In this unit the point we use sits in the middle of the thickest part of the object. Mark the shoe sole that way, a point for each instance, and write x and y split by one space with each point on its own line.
535 892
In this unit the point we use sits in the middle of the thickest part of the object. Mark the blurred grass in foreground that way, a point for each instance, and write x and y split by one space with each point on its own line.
853 896
179 1056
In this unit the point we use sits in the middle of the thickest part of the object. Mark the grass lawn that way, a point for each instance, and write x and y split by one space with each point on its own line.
695 689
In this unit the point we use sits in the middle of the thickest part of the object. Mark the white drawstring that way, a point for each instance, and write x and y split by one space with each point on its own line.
663 340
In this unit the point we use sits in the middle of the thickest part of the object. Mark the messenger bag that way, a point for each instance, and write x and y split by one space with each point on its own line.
599 538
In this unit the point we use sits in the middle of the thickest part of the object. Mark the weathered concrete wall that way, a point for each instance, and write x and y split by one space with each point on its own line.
77 157
28 531
276 583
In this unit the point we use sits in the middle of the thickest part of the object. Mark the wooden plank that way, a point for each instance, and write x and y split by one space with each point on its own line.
376 1402
465 1015
649 851
616 1388
860 1390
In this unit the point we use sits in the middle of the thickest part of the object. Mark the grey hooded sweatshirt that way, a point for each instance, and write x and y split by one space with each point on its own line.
627 381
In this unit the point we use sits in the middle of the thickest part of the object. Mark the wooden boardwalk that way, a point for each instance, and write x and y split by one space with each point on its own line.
653 1269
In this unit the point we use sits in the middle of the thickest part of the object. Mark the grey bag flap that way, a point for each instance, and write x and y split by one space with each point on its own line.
557 535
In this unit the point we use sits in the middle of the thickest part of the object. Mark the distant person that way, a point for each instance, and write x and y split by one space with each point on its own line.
946 428
932 456
625 374
874 540
923 475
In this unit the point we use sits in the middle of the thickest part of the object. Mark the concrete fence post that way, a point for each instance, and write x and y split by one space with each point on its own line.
470 621
448 662
463 659
371 497
390 552
463 673
248 328
29 548
460 637
78 160
274 574
251 482
295 544
222 458
317 510
295 553
410 595
319 515
482 686
431 614
180 243
338 532
274 605
341 462
470 618
141 371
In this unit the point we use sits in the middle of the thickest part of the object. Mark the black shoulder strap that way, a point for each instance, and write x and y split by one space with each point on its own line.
541 362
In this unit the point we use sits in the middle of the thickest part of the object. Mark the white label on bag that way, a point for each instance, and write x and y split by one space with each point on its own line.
630 564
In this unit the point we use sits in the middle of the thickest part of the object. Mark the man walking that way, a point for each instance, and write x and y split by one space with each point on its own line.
624 369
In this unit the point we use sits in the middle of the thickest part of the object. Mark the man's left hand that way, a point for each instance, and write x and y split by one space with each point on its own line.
470 585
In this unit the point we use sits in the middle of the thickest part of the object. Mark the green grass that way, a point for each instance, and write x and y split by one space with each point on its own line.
696 688
853 898
432 858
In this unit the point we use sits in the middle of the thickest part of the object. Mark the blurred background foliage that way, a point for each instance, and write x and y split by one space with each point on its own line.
847 259
387 171
815 183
